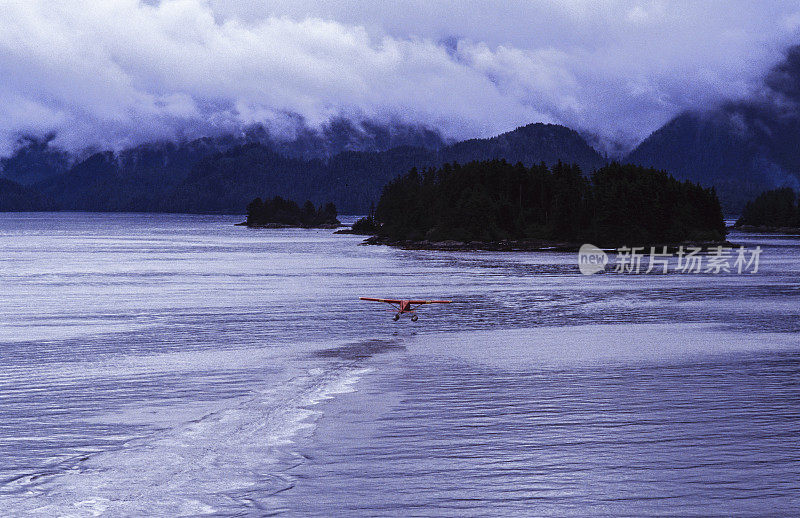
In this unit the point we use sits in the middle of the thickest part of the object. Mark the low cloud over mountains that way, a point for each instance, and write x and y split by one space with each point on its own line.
110 75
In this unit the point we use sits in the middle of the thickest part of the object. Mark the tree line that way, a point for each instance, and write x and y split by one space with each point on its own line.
495 200
775 208
279 211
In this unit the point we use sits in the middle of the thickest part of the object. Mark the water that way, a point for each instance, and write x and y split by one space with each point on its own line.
180 366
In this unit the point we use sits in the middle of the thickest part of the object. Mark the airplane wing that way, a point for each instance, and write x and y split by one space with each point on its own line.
398 301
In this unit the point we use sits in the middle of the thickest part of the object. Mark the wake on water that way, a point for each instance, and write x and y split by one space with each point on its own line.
231 459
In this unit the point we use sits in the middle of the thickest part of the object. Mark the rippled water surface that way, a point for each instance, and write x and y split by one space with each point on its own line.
178 365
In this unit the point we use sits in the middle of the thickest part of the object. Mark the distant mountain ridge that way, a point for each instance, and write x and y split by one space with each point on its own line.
37 159
742 148
343 163
354 180
730 149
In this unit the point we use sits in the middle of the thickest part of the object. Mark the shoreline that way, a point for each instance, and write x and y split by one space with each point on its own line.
523 245
762 229
326 226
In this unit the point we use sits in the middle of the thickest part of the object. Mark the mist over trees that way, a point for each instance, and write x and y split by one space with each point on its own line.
35 160
222 174
495 200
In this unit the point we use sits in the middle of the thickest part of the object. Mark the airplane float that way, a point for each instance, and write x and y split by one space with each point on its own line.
406 306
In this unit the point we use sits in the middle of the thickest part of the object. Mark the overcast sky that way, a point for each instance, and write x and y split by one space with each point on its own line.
112 73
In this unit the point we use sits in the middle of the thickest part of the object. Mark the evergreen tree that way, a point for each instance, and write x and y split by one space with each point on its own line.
279 211
776 208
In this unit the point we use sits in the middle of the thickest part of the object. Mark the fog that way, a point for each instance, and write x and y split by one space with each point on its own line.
117 73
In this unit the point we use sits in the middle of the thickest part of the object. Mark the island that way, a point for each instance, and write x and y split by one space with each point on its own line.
496 205
777 210
282 213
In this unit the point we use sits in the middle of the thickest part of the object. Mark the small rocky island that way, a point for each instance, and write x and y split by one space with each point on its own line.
282 213
494 205
773 211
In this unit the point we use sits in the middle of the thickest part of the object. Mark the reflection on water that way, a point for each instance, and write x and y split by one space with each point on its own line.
360 350
169 364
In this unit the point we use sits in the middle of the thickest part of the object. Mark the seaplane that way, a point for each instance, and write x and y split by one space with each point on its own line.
406 306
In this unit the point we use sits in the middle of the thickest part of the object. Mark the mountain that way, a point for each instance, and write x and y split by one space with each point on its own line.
151 177
340 135
531 145
736 150
354 180
741 148
35 160
223 174
133 180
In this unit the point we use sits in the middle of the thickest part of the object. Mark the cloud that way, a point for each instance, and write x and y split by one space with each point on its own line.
119 72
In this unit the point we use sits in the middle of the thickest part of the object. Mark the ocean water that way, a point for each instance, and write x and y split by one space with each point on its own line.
175 365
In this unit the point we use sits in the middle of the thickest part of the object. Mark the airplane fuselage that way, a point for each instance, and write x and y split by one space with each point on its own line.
405 306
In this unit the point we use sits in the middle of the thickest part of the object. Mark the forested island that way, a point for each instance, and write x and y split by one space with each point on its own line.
777 210
497 205
278 213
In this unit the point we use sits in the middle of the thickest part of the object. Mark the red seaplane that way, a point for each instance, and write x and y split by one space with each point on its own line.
406 306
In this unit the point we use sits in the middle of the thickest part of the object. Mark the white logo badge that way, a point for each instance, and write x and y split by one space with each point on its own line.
591 259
